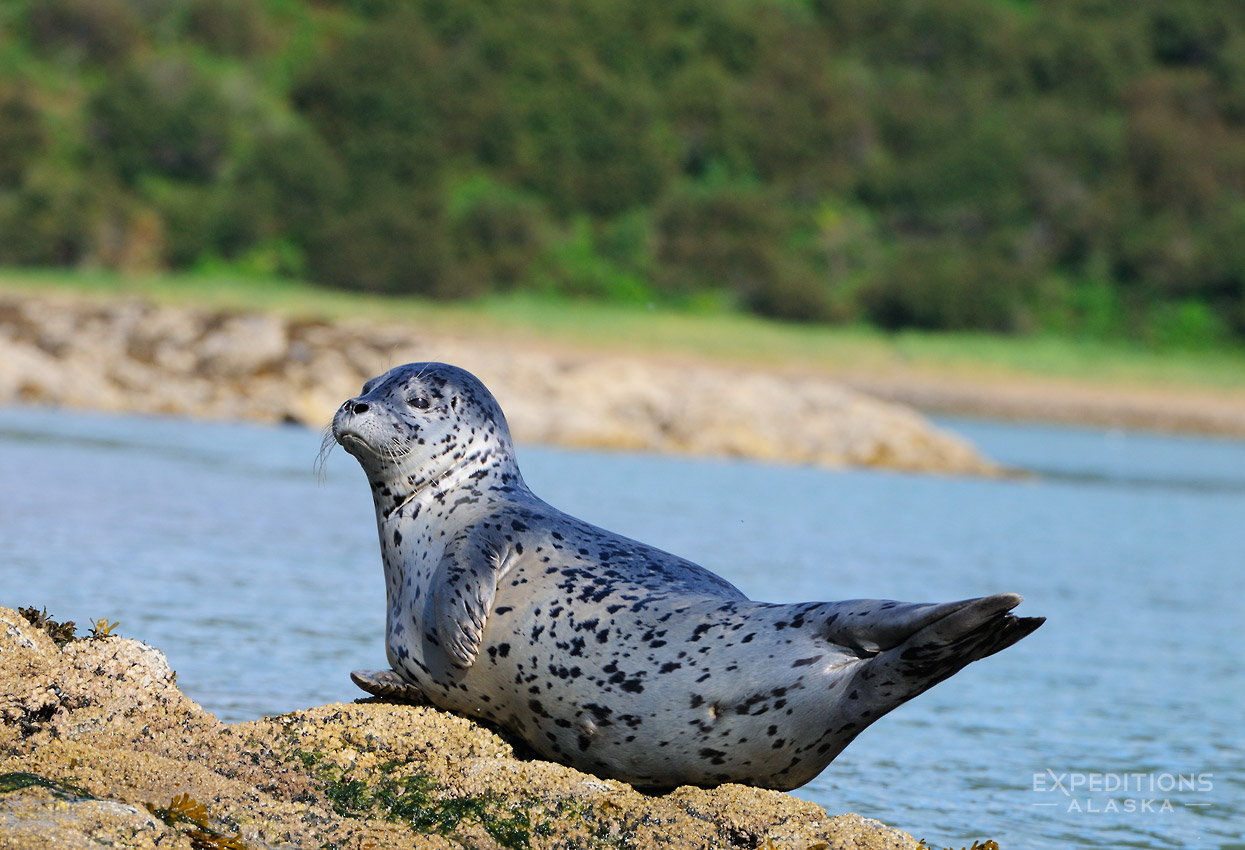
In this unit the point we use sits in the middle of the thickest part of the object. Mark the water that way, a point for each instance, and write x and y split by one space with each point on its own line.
217 544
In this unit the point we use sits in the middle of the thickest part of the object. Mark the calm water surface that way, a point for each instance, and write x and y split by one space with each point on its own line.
1118 724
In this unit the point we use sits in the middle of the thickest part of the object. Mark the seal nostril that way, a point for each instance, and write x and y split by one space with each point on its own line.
360 407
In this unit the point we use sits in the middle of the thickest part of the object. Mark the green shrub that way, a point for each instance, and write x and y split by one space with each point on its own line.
192 215
699 105
497 236
374 100
49 221
939 284
1186 325
593 149
161 117
230 27
801 119
22 135
741 241
575 266
77 31
285 186
396 243
726 238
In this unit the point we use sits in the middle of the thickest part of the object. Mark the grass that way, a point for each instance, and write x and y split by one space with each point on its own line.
720 335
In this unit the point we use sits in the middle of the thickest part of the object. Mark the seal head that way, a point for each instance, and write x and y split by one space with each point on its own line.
600 651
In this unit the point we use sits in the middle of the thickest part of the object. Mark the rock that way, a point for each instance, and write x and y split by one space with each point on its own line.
97 744
37 816
242 346
615 403
133 355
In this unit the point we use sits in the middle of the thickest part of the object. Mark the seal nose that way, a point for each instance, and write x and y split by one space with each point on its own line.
359 407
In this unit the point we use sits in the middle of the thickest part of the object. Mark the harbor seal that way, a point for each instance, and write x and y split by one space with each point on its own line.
604 653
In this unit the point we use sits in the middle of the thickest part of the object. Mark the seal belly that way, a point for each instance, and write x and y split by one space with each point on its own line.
702 691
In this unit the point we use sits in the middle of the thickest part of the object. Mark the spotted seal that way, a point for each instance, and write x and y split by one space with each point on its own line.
602 652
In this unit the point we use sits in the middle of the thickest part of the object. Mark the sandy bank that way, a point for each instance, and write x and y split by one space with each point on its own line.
1188 411
99 746
135 356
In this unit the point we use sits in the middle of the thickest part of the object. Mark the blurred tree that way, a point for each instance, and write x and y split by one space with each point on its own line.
284 189
735 238
1189 32
22 134
229 27
945 284
801 118
162 117
374 101
1072 164
74 32
727 237
396 242
49 222
497 236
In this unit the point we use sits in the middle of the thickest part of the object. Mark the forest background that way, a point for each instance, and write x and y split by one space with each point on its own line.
1074 167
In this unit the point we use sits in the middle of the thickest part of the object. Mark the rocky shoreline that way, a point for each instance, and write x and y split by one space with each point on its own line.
1183 411
133 355
99 746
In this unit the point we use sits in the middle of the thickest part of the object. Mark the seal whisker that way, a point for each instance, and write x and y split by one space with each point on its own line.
328 442
394 453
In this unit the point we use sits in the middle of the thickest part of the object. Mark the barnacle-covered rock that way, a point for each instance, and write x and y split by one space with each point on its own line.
98 744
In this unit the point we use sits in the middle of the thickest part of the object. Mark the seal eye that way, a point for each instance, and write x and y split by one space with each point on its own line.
419 402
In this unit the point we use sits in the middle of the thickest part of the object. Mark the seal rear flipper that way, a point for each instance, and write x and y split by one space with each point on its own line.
387 684
965 632
870 626
940 640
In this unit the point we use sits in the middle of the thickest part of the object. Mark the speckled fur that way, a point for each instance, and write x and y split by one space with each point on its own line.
599 651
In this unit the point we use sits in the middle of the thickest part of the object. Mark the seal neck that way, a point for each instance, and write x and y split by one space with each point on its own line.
470 475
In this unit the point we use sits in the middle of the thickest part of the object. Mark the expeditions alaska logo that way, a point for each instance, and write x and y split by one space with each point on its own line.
1103 793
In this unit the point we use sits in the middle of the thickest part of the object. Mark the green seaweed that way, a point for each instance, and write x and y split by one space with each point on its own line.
308 758
20 779
977 845
349 798
411 800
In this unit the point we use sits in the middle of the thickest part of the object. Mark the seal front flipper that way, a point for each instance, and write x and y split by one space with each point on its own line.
464 585
387 684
